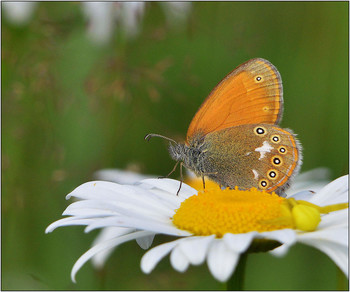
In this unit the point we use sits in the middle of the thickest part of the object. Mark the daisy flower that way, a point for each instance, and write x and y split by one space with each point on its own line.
314 180
216 226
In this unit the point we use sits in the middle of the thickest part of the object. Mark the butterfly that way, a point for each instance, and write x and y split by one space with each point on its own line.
234 138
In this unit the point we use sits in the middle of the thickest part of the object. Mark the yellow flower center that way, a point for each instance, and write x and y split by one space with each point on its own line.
216 211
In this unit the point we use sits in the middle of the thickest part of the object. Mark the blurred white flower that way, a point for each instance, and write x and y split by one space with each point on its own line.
151 206
101 20
18 13
104 17
311 180
176 12
130 15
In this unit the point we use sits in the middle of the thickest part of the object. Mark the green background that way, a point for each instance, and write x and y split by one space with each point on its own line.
70 108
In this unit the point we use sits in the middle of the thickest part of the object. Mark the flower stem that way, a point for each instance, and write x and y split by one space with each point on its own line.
236 282
342 283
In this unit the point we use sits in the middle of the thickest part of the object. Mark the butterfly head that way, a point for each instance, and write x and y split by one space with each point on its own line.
177 150
192 156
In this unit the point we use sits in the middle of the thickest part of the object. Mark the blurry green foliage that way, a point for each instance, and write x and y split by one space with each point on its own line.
70 108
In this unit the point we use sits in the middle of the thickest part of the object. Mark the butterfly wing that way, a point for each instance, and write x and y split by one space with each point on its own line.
250 94
264 156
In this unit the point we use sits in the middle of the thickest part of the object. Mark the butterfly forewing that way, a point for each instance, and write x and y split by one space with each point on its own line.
250 94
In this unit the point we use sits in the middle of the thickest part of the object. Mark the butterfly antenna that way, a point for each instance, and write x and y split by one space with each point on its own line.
149 136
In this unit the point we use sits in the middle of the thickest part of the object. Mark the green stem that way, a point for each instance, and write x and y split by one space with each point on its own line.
342 283
236 282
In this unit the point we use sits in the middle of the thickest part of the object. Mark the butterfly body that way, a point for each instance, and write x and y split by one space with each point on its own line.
234 138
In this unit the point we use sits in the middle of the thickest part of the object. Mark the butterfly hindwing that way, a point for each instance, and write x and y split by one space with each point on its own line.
262 155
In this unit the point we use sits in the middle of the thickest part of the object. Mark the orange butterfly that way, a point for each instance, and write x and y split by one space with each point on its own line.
234 139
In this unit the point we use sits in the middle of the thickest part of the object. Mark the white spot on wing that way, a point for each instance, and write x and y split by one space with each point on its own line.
256 175
266 147
248 153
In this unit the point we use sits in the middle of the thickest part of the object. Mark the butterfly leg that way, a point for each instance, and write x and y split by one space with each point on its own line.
177 193
206 173
203 182
170 171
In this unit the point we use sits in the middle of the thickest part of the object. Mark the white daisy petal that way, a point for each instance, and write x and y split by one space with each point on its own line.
107 233
239 242
285 236
101 190
86 208
304 195
137 223
178 259
97 208
195 248
280 251
104 246
334 245
339 235
171 186
145 242
221 260
313 180
68 222
151 258
164 198
335 219
334 193
129 195
335 249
